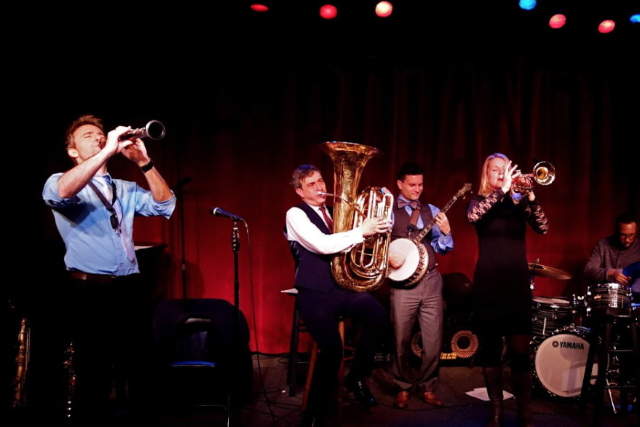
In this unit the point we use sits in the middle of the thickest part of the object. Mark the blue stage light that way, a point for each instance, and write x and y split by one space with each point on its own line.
527 4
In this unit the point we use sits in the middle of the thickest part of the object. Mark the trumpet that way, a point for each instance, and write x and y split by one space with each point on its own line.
154 130
543 173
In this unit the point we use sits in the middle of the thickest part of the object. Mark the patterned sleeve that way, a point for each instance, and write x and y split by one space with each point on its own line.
479 207
536 217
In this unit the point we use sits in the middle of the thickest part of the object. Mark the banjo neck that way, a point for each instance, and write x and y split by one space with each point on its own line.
418 239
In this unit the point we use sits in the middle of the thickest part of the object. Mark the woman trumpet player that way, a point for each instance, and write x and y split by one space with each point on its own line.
501 291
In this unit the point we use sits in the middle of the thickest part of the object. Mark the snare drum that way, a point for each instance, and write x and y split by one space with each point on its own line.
550 314
608 298
560 361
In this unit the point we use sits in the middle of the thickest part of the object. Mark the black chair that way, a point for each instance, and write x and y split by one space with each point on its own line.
195 357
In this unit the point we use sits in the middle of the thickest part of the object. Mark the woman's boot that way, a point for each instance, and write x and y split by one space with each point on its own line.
493 381
522 386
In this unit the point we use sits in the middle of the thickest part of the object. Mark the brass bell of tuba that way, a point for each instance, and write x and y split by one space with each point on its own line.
364 267
543 173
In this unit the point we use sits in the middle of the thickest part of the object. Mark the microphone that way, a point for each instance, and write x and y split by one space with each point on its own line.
220 212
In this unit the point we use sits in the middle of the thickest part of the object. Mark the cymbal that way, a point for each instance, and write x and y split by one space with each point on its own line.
544 271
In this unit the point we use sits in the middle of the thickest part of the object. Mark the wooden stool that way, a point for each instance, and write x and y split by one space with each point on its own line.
297 326
312 365
604 322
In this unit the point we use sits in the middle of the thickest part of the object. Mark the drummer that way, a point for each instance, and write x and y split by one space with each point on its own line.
612 254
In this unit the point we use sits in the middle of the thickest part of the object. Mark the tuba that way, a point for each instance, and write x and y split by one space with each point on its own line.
364 267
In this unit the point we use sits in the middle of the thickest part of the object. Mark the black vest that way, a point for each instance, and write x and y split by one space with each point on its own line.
313 271
401 229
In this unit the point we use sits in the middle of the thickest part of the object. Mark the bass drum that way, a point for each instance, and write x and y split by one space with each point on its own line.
560 361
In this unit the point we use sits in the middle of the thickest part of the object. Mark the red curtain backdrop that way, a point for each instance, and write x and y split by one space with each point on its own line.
237 125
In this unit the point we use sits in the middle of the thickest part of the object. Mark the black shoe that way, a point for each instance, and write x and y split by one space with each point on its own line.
310 420
360 391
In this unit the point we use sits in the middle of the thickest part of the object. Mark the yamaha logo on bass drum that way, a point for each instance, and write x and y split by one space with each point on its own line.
568 344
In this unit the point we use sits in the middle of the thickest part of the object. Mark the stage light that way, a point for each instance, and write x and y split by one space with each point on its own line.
527 4
606 26
557 21
328 11
257 7
635 19
384 9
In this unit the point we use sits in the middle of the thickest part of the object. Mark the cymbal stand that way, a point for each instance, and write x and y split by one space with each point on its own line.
533 273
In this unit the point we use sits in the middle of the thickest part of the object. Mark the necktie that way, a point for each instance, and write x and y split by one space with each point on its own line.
124 234
109 190
327 218
402 203
416 220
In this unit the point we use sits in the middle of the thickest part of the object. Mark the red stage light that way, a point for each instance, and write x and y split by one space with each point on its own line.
328 11
557 21
257 7
606 26
384 9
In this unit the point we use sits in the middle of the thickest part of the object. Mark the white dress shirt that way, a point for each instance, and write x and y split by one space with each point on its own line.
300 229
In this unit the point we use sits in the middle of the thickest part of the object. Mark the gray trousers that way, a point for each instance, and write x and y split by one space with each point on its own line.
422 302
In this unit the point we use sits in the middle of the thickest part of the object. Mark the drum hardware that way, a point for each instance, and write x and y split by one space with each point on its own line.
551 314
543 271
560 361
609 298
536 269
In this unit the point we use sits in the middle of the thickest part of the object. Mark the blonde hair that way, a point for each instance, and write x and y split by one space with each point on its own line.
485 188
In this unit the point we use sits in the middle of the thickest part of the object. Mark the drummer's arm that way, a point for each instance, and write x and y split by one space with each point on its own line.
617 276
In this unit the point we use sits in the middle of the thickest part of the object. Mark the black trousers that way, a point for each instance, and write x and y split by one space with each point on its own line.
319 312
112 334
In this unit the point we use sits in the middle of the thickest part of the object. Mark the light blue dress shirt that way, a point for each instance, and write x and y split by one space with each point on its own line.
92 246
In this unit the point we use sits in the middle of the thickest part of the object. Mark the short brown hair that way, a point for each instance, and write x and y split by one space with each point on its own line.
301 173
82 120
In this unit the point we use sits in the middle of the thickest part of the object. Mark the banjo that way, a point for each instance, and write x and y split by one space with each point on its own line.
417 258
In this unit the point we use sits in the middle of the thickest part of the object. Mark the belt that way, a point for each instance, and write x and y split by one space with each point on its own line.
96 278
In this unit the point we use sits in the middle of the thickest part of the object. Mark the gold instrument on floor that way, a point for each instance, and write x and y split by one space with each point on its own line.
543 173
71 381
22 362
363 268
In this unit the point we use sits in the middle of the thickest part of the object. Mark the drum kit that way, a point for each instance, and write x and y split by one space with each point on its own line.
560 343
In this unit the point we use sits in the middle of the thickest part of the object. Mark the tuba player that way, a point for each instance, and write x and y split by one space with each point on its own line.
309 230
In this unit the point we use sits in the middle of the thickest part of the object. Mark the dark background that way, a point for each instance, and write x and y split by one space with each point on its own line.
246 98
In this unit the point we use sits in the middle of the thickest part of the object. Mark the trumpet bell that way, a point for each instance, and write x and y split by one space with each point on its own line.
544 173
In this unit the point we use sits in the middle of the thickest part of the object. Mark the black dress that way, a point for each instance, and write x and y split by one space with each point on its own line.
502 300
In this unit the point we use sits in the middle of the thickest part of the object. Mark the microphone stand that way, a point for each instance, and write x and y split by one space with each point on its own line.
178 189
235 245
